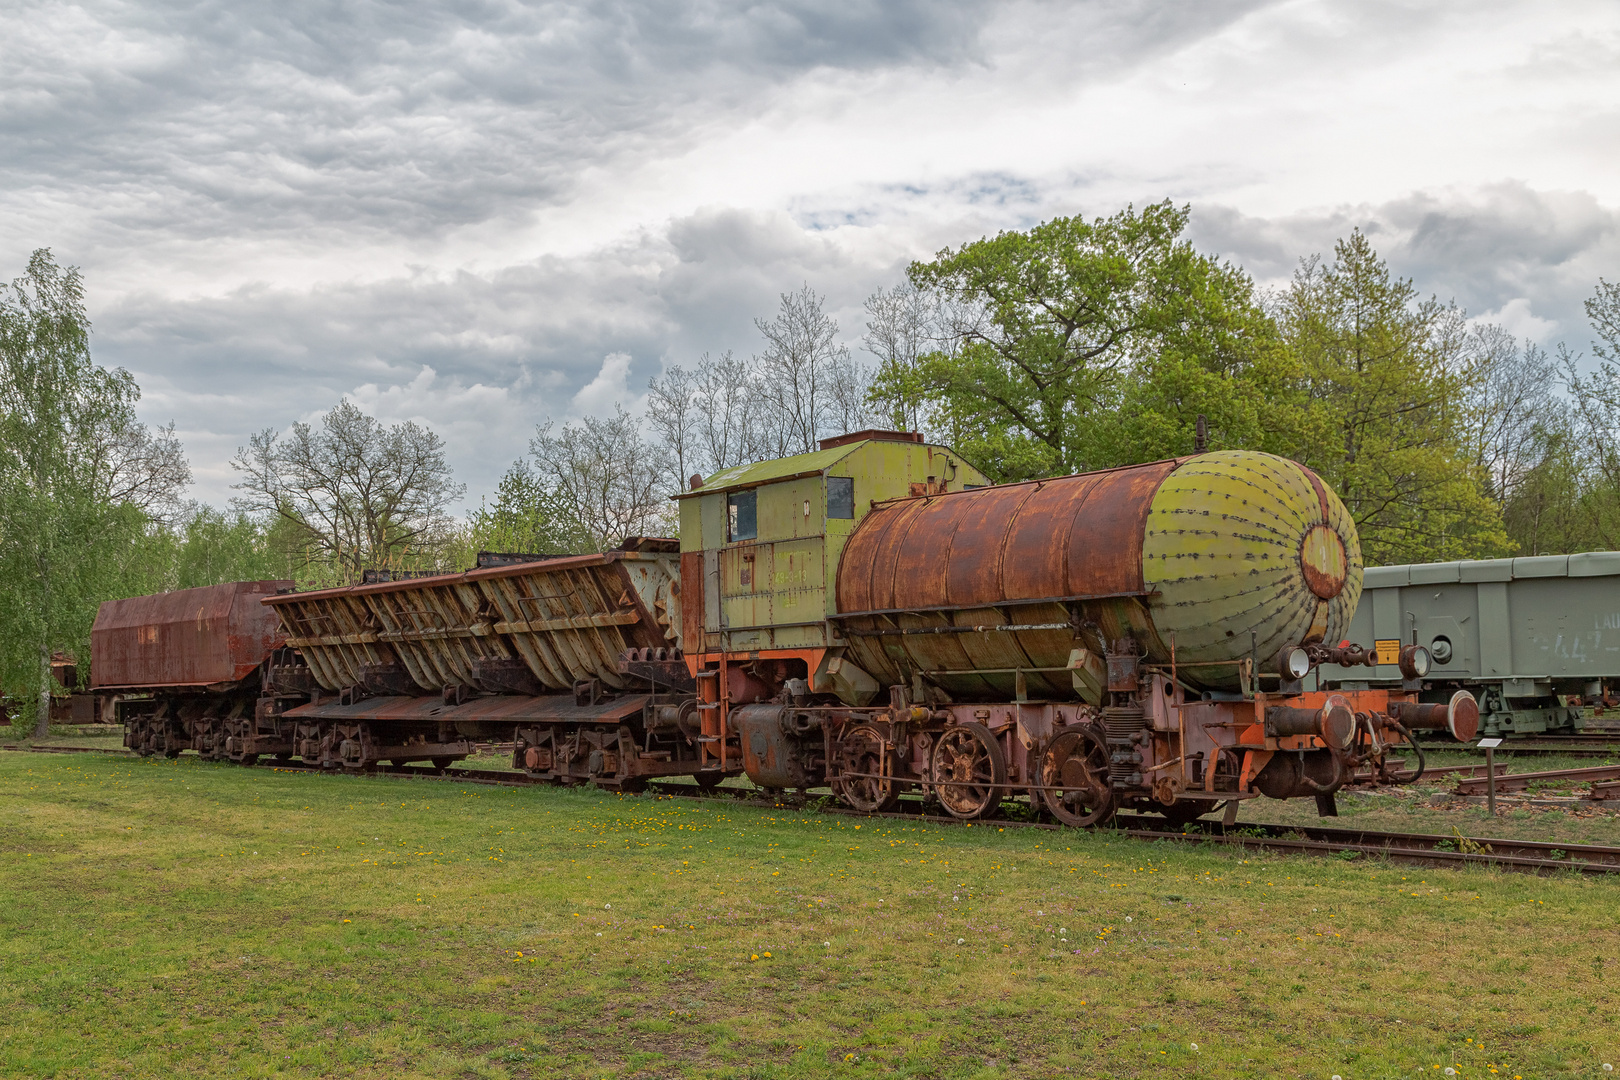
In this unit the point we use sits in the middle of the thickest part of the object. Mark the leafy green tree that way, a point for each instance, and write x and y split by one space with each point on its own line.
1558 503
1388 379
80 478
1078 345
212 546
525 517
1596 426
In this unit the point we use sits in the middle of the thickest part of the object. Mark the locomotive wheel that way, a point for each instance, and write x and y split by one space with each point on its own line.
861 750
968 771
708 781
1074 772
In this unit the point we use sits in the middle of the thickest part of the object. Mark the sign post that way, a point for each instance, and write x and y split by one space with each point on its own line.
1490 746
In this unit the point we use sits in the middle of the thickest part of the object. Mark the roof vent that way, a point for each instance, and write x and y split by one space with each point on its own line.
877 434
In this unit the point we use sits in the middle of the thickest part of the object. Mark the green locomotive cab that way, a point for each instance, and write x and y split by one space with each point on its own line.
761 543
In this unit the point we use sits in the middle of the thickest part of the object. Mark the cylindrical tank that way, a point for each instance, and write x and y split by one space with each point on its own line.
1227 554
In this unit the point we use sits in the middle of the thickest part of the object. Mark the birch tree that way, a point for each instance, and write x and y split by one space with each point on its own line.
80 477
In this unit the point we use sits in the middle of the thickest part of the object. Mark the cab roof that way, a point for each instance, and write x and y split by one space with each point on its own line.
765 472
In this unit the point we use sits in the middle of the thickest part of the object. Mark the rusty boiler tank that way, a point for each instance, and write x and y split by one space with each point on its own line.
1221 556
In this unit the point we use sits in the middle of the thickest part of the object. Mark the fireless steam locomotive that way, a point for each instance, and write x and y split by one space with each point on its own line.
874 618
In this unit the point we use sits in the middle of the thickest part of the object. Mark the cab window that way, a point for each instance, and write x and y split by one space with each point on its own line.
840 496
742 519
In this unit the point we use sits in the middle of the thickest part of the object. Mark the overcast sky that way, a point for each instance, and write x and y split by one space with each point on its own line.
479 214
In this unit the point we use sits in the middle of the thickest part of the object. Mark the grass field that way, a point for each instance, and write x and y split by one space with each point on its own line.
184 919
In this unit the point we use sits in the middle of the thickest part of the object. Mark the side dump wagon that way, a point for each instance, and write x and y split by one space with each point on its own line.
573 658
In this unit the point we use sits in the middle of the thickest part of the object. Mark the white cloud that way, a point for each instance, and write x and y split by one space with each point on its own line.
610 388
1517 319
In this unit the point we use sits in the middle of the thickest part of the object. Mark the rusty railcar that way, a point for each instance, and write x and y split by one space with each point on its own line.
181 666
573 659
874 618
1133 637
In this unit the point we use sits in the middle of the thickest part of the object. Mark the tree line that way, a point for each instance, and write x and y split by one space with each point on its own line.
1070 346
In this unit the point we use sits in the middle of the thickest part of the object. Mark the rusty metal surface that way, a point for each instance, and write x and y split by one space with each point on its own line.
553 708
1221 551
565 619
208 636
960 559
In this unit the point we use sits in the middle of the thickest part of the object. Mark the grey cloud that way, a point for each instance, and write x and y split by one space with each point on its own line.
531 335
508 348
166 140
331 124
1484 248
398 118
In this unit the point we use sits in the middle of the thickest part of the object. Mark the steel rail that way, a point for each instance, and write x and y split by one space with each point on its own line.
1515 782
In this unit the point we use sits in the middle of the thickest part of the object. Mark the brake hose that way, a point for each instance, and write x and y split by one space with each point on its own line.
1418 750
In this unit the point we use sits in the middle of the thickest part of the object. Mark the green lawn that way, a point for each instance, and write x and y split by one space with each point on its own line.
164 918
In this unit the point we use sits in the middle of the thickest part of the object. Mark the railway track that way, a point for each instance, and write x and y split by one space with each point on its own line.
1508 750
1422 849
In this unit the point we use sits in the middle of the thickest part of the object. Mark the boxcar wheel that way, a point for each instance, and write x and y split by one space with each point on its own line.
863 751
1074 773
968 771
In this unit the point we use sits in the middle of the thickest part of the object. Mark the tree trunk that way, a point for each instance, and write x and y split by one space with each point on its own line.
42 723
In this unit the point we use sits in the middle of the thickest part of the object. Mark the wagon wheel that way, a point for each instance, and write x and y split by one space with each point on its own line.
968 771
1074 772
862 750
